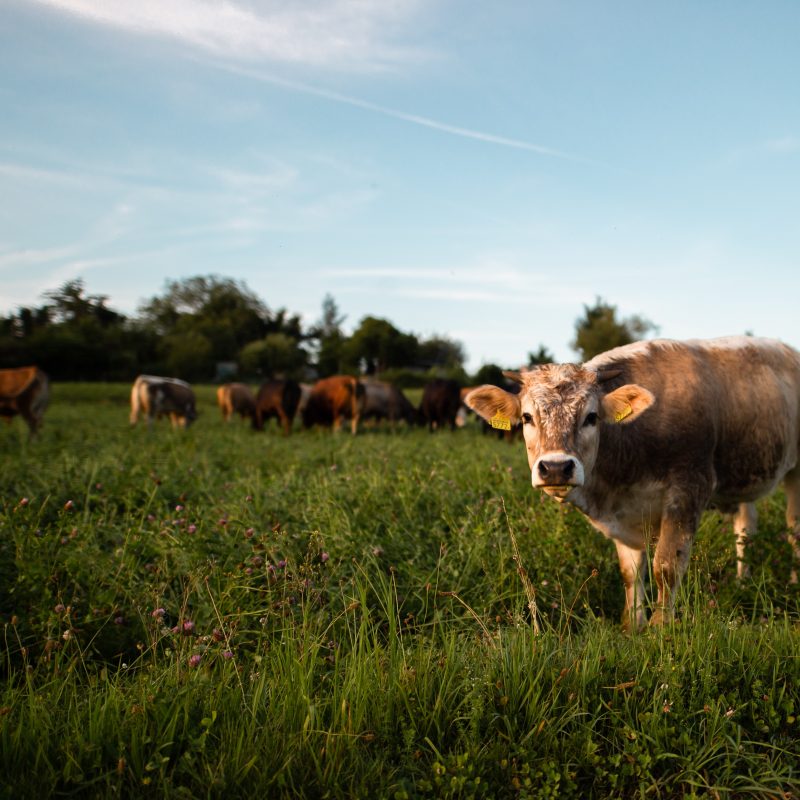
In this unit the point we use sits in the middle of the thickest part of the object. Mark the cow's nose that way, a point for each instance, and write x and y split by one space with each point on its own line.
557 473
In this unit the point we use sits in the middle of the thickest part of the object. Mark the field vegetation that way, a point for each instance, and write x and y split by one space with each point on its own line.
216 612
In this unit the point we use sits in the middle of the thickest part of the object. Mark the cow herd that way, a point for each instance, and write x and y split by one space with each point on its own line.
332 402
641 439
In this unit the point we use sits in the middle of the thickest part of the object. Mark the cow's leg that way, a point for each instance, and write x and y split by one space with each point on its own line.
745 523
354 424
284 420
678 525
632 567
792 487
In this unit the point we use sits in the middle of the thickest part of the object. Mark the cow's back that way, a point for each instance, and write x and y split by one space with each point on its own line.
731 406
24 391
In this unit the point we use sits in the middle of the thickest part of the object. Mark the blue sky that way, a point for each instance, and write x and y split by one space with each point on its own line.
479 170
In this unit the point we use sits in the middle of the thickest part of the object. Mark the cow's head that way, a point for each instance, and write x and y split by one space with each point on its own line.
561 408
190 415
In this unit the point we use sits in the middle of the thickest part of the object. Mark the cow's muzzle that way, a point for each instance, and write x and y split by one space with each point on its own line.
557 473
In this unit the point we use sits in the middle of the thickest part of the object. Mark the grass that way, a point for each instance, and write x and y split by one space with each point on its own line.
217 612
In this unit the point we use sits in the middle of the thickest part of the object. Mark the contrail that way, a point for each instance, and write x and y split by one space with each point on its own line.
415 119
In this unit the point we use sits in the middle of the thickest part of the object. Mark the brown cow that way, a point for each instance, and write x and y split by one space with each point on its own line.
235 398
441 399
334 399
645 437
156 397
24 391
279 399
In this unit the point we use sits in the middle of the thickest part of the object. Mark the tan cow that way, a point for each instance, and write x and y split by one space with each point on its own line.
156 397
235 398
334 399
645 437
24 391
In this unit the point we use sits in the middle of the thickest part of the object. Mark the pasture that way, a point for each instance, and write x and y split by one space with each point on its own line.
216 612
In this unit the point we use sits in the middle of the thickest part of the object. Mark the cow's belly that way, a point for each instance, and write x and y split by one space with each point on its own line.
631 516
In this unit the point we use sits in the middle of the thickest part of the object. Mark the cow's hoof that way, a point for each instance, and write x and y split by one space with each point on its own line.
661 617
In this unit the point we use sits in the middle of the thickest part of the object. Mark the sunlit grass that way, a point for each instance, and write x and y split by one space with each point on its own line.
215 611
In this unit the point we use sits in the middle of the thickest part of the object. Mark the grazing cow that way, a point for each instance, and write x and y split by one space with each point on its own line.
279 399
24 391
155 397
441 399
235 398
334 399
384 401
644 437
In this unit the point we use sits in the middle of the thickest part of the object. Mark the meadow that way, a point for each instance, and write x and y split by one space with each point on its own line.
216 612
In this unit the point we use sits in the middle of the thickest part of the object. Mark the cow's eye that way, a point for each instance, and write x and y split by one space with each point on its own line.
591 420
527 419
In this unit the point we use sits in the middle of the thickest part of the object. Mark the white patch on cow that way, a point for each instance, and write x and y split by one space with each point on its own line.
628 515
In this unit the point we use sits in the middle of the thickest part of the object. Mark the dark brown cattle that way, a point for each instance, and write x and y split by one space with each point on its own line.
384 401
235 398
441 399
279 399
24 391
156 397
645 437
334 399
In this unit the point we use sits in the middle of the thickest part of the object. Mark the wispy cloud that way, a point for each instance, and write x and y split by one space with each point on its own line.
416 119
784 144
339 34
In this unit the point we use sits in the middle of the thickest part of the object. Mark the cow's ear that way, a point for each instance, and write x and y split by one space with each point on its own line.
625 404
491 402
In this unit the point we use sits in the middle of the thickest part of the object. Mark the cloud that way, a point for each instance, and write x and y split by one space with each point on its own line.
341 34
416 119
785 144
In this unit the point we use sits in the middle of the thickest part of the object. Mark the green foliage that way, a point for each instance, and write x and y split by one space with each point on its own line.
600 330
540 356
489 373
277 354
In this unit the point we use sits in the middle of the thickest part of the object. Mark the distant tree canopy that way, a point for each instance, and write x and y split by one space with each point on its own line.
600 330
198 324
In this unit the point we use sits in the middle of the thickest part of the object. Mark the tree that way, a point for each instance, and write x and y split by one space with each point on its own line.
276 355
439 351
599 330
376 345
329 339
540 356
491 374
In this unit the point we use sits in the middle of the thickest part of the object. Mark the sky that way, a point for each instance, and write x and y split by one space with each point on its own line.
477 170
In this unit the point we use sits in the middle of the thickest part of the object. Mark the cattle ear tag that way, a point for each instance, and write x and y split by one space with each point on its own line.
620 415
500 422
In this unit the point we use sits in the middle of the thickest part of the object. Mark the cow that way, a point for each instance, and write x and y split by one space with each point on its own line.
155 396
24 391
279 399
441 399
334 399
384 401
644 437
235 398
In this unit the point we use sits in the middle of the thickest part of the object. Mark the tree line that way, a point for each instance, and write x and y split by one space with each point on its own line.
208 328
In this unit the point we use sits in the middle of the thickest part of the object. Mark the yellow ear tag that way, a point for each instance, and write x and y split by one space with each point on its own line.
620 415
500 422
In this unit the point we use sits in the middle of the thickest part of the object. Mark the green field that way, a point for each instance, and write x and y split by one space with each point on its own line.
216 612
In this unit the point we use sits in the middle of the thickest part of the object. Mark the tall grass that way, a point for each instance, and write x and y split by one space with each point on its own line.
216 612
